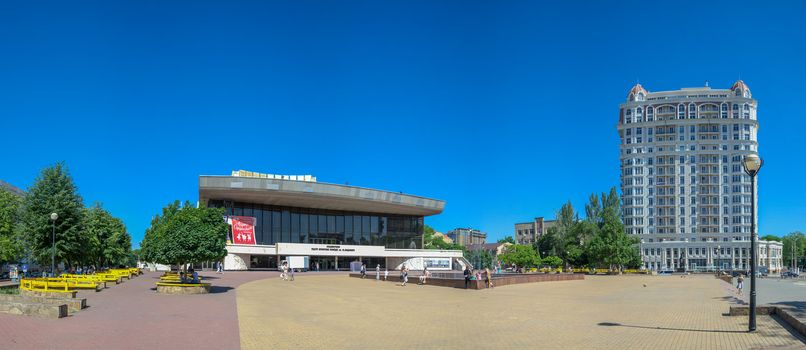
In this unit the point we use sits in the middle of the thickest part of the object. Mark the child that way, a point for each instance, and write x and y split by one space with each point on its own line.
386 274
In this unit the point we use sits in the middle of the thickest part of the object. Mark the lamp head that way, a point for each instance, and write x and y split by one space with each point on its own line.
54 216
752 164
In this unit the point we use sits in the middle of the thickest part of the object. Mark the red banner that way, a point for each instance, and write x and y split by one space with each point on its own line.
243 229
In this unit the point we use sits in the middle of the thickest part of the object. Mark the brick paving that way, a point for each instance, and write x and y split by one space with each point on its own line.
132 316
600 312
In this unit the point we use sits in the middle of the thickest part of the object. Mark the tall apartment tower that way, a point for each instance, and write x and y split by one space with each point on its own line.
684 191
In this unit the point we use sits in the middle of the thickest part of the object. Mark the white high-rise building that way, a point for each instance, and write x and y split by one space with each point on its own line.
684 191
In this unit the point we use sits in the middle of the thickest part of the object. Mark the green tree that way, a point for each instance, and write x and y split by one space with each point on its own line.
10 247
480 258
521 255
187 235
110 244
507 239
794 249
553 261
611 246
54 192
772 238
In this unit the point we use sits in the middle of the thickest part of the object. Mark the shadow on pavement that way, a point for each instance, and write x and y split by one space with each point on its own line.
220 289
613 324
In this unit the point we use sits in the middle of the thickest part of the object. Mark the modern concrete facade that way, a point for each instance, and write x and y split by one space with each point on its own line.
684 191
467 236
529 232
334 225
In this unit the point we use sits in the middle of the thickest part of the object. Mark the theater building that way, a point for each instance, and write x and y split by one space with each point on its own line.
278 216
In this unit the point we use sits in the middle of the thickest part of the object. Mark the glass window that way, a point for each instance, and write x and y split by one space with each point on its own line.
303 228
276 225
365 230
295 228
286 237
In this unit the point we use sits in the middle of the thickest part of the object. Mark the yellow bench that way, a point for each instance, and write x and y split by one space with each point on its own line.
46 286
77 283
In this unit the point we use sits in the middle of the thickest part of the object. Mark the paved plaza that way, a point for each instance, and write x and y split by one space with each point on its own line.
601 312
256 310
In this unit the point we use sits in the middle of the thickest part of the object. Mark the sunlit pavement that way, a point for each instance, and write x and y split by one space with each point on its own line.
601 312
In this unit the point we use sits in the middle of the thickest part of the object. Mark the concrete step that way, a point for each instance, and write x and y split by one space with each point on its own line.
33 309
73 304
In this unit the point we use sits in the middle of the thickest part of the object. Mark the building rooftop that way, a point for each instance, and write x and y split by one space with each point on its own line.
11 188
319 195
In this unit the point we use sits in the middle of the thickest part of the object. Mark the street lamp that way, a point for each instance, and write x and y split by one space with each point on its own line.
752 164
53 217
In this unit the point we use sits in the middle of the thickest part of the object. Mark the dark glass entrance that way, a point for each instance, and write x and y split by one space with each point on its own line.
326 263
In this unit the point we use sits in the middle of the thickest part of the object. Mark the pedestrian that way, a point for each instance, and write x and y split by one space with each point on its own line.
317 266
291 272
467 273
378 273
284 272
385 274
405 276
740 283
363 271
488 277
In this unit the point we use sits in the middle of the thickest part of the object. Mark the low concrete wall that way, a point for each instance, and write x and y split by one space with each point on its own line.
52 295
783 313
201 288
498 280
73 304
33 309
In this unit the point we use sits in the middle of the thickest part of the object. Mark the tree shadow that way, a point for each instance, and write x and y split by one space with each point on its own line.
220 289
613 324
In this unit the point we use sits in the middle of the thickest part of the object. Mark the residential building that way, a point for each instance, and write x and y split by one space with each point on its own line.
684 190
467 236
529 232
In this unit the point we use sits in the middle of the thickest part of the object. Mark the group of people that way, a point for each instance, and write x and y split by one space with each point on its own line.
190 277
286 273
404 274
470 275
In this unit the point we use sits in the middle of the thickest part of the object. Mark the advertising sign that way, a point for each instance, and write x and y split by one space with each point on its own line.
243 229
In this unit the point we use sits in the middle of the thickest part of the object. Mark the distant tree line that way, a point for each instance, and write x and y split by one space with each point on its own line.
84 236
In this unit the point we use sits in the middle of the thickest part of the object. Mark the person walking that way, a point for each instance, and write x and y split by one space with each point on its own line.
488 277
740 283
405 276
291 274
378 273
385 274
317 266
284 272
363 271
468 274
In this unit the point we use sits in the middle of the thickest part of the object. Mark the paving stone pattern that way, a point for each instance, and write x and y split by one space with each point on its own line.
131 315
600 312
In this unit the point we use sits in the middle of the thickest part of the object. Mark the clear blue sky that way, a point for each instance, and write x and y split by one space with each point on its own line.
503 109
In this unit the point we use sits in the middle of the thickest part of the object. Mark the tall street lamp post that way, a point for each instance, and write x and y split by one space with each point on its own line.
53 217
752 164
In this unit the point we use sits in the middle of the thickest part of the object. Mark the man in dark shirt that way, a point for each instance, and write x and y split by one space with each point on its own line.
468 273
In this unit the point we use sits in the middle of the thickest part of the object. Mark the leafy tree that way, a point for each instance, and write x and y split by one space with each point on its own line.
521 255
480 258
553 261
187 235
794 249
149 245
110 244
10 247
772 238
611 246
54 192
507 239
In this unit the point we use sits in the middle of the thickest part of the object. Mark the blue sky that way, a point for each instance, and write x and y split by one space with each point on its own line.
503 109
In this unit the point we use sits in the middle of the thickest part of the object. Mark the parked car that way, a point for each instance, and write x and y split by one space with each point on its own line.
790 274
